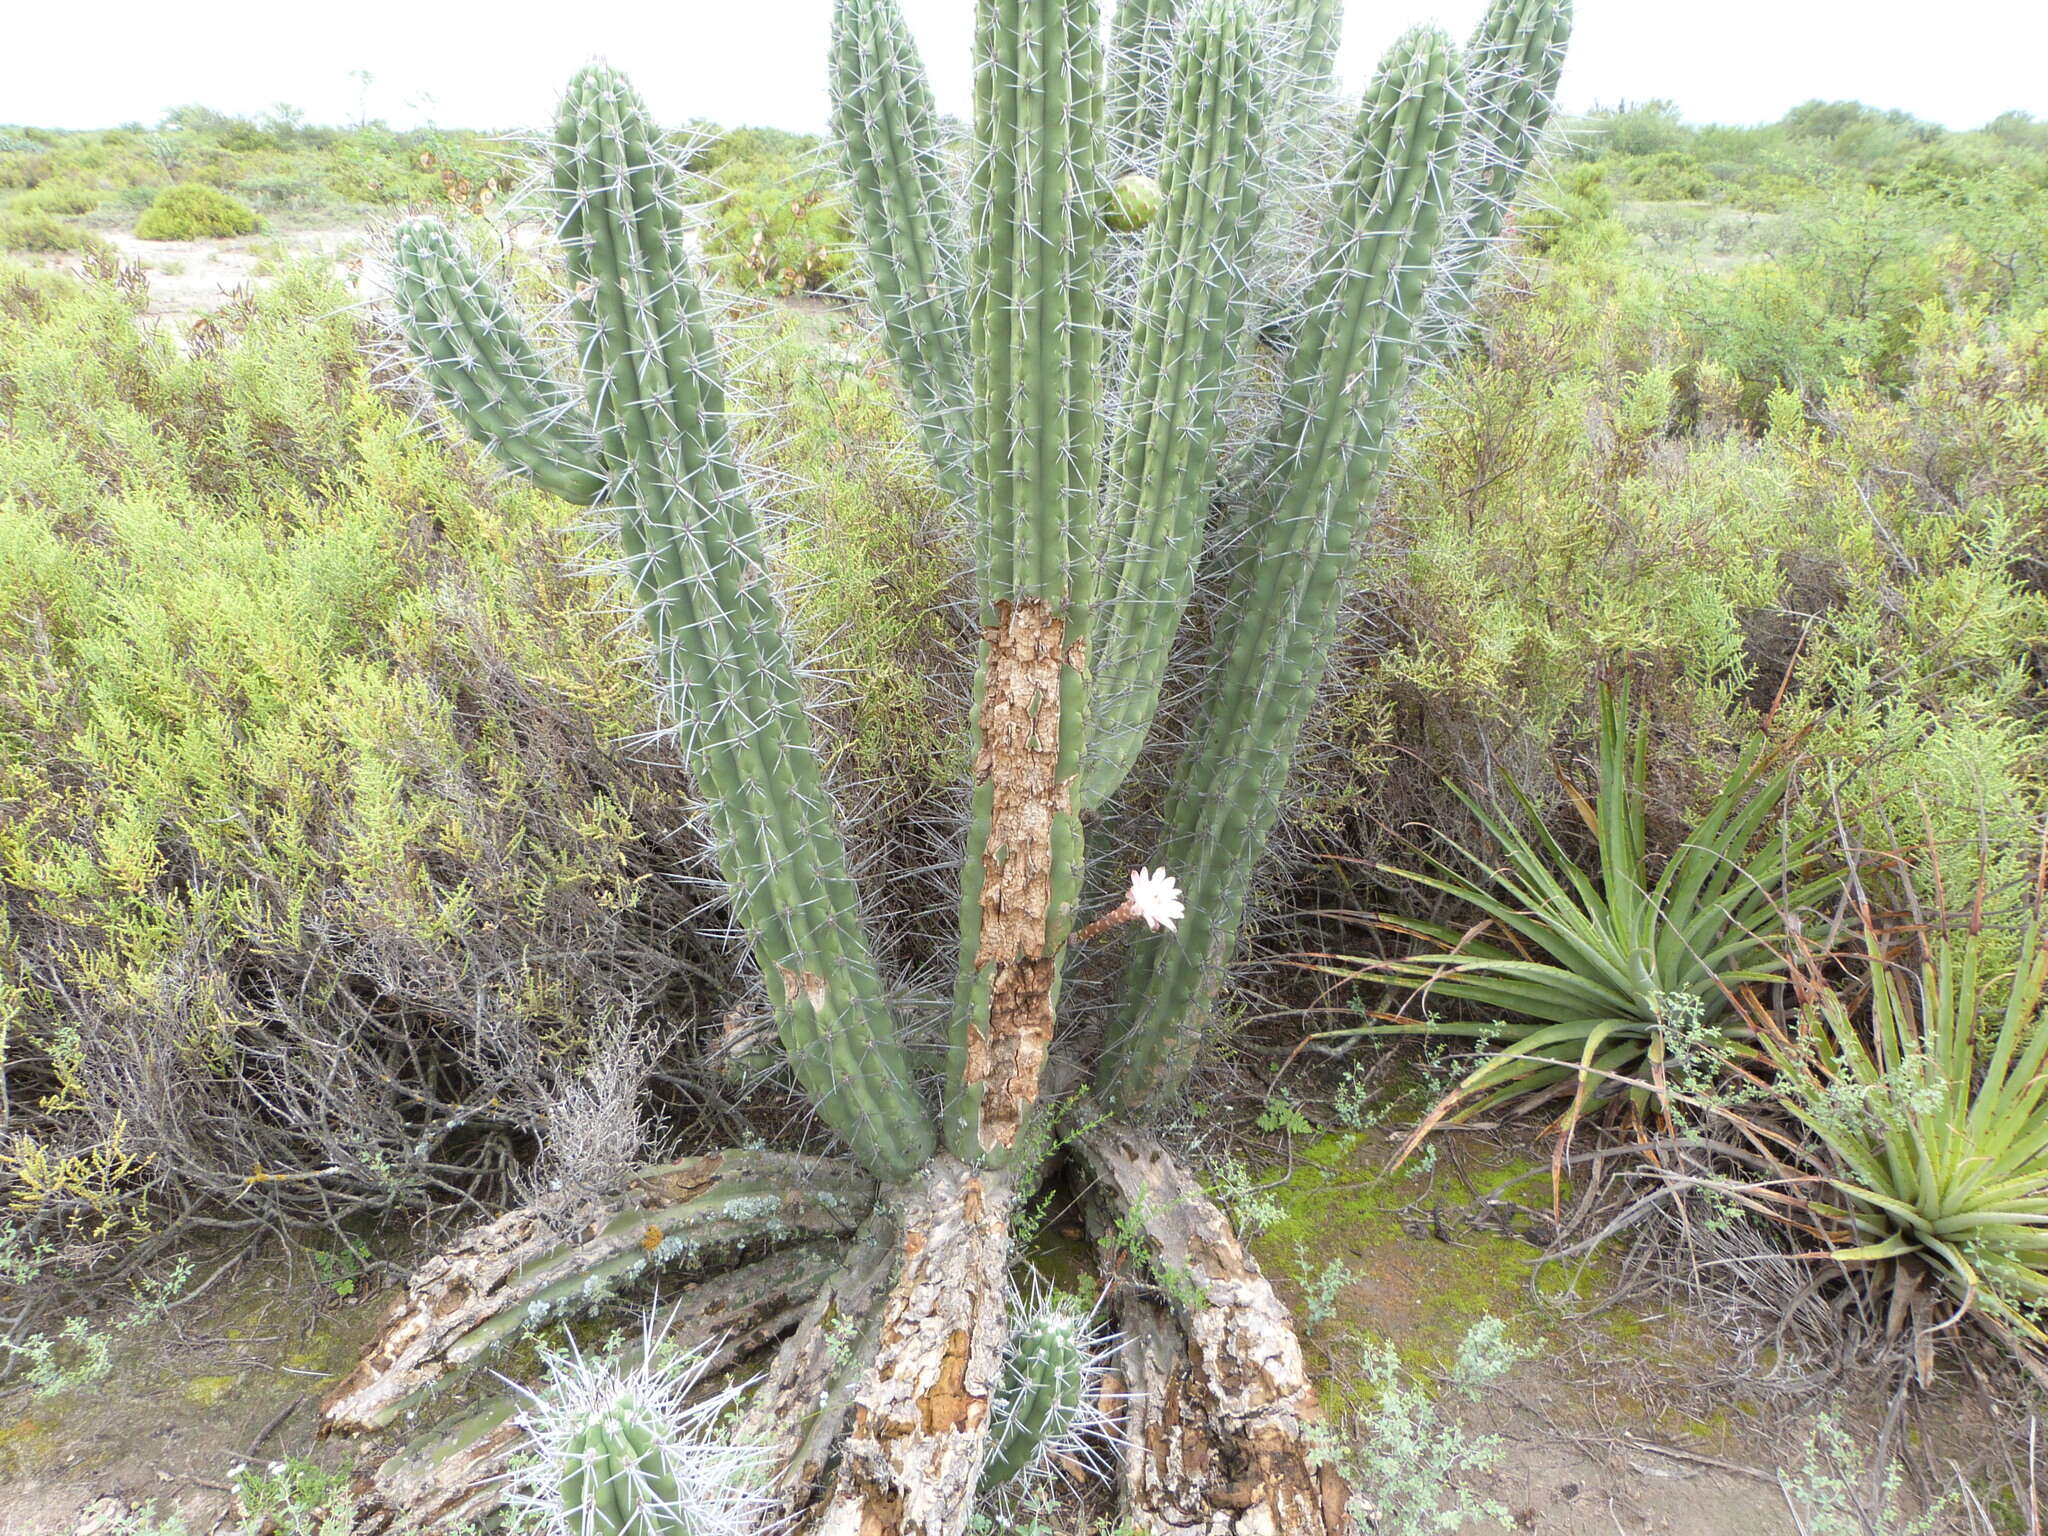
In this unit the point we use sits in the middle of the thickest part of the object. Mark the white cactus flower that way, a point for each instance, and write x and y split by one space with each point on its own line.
1155 896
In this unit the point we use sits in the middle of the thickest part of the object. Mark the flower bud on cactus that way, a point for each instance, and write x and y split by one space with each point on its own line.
1134 202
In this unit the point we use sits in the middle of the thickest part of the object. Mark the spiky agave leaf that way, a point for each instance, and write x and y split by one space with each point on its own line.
637 1447
1932 1115
1591 978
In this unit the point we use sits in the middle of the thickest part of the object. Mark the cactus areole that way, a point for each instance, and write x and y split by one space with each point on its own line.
1189 209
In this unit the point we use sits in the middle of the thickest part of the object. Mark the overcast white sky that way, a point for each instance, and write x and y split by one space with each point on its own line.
499 63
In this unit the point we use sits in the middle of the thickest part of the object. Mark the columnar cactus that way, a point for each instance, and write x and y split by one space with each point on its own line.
1043 1398
1090 503
1314 480
1512 65
1086 560
653 443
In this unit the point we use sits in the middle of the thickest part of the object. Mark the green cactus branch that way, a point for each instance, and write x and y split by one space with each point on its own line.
1140 65
1039 197
1317 481
1194 303
909 222
661 456
484 368
1513 63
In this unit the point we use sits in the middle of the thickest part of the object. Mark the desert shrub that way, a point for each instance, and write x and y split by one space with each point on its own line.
1638 128
1672 176
56 197
194 211
1623 485
338 837
778 226
322 850
41 234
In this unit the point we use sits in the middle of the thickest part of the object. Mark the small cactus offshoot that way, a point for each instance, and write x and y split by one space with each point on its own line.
636 1450
1046 1409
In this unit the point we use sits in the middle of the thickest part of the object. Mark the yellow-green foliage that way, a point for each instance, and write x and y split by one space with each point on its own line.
779 226
317 750
1604 490
58 197
310 745
194 211
868 550
42 234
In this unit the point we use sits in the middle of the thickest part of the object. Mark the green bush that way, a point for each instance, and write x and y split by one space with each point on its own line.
778 227
1672 176
194 211
40 234
57 197
328 784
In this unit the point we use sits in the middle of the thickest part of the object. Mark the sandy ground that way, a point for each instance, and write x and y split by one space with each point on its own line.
188 278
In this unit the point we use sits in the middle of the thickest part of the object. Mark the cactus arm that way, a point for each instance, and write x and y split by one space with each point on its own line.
909 222
1193 307
1317 481
698 560
1037 227
484 368
1140 63
1513 63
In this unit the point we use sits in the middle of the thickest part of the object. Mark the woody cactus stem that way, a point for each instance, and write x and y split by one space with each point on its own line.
895 164
698 562
1193 308
1036 228
1317 478
1512 63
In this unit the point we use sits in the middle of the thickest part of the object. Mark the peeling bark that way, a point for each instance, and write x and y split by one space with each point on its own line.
460 1474
801 1406
1219 1404
520 1268
912 1457
1018 757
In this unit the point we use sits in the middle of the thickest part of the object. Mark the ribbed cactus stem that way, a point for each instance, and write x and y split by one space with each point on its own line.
909 223
484 368
699 563
1036 222
1316 482
617 1482
1513 63
1140 68
1042 1397
1193 307
651 438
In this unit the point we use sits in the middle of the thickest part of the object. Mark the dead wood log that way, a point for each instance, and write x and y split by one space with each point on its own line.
522 1269
1219 1410
460 1474
911 1458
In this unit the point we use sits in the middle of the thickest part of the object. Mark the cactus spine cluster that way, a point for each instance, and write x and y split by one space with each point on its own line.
1088 504
1043 1397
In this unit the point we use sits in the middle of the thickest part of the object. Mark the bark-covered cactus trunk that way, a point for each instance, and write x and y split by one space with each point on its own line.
883 1283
